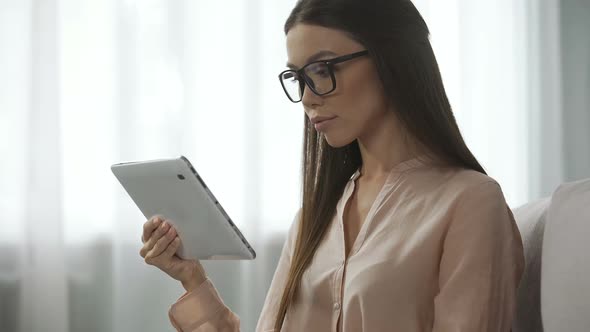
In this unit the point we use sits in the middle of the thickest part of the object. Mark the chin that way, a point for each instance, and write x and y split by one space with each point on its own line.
337 142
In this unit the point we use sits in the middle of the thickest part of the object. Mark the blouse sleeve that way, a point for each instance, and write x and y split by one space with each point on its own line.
481 264
203 309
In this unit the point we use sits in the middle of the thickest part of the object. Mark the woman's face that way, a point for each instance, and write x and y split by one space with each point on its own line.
358 104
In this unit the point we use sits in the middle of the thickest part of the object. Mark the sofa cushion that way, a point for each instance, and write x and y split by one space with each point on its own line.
565 282
530 219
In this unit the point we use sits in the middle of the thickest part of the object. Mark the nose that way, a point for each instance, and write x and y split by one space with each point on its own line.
309 98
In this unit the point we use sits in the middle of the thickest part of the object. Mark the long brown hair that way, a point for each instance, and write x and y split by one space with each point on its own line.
396 36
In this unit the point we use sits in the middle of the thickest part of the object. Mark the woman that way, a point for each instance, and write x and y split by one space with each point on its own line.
400 227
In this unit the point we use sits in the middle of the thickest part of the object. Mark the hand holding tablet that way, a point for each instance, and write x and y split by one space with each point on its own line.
160 243
172 189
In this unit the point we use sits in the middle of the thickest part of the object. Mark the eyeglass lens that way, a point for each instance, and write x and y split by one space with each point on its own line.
318 78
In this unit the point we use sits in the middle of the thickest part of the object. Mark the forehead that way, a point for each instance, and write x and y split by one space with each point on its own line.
304 41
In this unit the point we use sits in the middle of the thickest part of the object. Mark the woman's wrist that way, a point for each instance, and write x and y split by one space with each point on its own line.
195 279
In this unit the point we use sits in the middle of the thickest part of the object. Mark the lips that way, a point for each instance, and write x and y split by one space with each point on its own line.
320 119
321 123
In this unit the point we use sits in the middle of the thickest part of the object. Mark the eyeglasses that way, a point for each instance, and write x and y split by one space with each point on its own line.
317 75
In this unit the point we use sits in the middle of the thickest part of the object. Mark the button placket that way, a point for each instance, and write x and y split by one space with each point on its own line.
336 305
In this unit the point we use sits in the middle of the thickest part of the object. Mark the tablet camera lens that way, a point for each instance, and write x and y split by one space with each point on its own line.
180 176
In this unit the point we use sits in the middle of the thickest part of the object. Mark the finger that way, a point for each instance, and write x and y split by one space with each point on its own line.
166 257
149 226
162 243
172 248
153 239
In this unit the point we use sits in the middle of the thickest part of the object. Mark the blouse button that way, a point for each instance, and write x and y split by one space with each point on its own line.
336 306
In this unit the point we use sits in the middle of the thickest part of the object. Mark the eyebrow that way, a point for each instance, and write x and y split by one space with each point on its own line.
314 57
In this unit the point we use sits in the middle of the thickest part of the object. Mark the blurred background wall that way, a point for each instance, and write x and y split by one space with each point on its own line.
88 83
575 60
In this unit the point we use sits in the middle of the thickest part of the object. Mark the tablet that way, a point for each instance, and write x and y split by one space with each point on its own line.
173 189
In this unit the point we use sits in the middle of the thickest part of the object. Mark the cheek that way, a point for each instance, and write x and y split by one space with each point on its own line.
361 100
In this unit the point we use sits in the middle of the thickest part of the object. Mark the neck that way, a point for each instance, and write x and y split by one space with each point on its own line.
385 145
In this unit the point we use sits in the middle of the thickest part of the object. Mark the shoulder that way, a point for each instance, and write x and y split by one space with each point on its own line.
478 200
466 181
475 191
452 184
458 194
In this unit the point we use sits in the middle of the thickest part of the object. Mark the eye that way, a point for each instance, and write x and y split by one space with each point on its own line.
319 69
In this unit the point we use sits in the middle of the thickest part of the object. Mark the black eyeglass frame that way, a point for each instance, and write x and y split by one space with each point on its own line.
306 80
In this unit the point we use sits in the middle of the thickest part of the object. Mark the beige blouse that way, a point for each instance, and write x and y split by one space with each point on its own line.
438 251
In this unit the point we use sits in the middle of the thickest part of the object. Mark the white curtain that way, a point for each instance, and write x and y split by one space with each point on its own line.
85 84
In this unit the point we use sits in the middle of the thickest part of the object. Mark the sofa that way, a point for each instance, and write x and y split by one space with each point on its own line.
554 293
